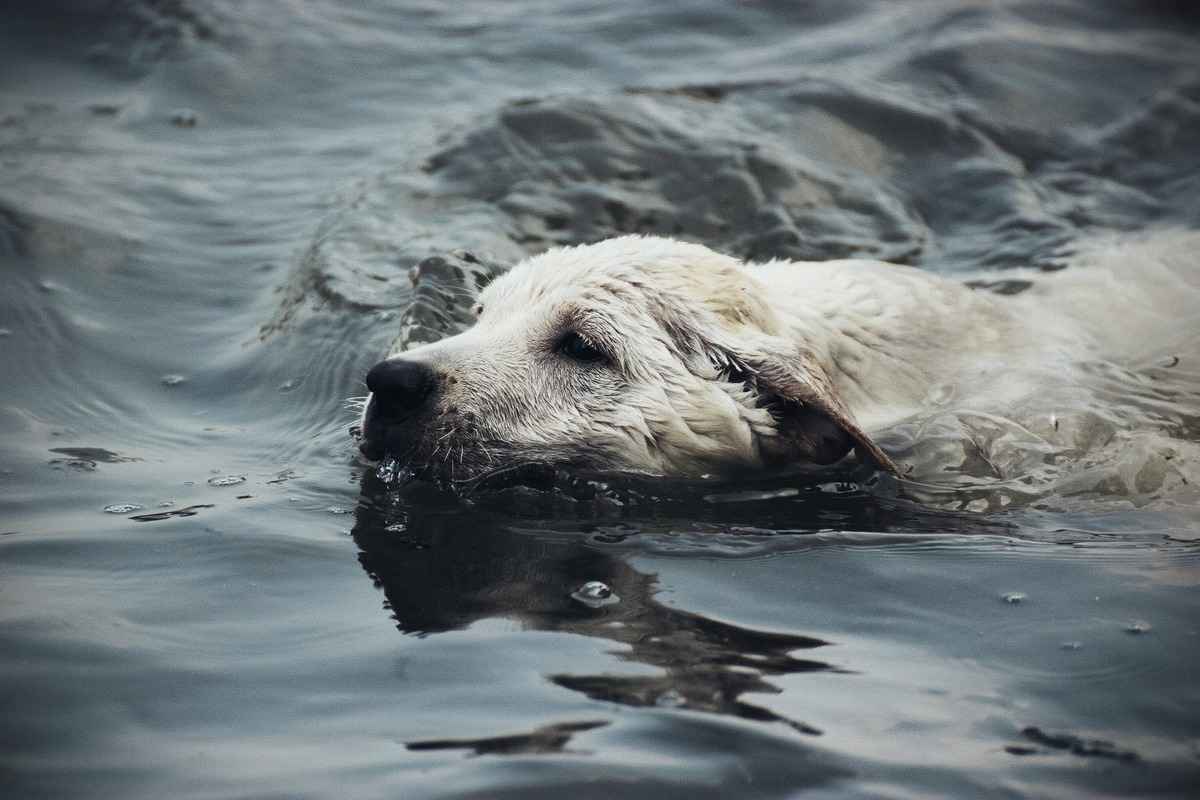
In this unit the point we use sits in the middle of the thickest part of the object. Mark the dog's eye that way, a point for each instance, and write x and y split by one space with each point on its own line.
576 347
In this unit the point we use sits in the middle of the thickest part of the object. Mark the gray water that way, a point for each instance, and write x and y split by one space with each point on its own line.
209 213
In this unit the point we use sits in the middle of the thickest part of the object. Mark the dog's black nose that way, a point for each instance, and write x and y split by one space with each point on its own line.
399 386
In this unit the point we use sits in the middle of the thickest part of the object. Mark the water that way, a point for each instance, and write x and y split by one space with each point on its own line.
214 217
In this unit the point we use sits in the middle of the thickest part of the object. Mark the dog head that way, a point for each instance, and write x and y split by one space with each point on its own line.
635 354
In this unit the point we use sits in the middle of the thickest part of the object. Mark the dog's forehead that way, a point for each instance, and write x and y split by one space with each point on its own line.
628 277
631 261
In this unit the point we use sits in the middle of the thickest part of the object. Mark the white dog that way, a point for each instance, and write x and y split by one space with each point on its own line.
660 357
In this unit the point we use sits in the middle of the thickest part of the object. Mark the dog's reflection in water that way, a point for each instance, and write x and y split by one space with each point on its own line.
442 567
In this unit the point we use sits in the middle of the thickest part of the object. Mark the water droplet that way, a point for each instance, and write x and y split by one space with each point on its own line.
393 473
1013 598
227 480
171 380
386 471
1138 627
122 508
595 594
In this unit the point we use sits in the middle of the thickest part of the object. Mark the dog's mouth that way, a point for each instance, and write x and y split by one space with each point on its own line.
465 469
397 460
398 472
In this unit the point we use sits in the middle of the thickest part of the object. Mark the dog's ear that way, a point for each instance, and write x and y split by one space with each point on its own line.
813 423
738 333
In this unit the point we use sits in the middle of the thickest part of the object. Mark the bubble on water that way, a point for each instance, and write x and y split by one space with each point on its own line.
1138 627
1013 598
227 480
595 594
122 508
171 380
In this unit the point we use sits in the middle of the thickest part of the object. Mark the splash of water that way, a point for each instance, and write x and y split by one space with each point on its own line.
393 473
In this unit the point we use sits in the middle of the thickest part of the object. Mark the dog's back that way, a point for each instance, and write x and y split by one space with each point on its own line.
896 337
1079 383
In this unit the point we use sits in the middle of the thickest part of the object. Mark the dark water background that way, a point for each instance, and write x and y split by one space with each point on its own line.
208 214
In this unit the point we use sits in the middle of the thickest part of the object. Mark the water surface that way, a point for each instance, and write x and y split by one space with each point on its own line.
210 215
